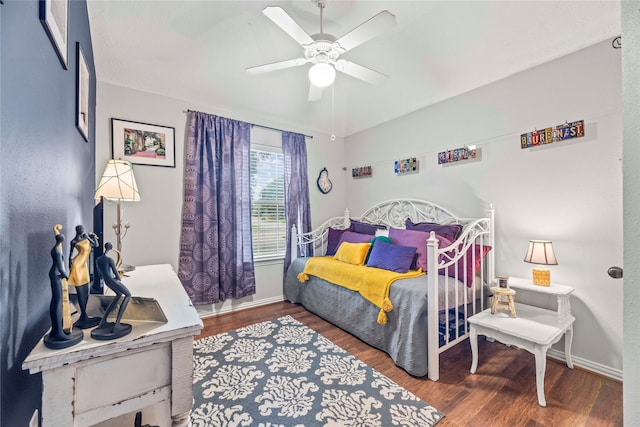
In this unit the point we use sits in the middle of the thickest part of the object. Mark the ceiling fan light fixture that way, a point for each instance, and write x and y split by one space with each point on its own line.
322 74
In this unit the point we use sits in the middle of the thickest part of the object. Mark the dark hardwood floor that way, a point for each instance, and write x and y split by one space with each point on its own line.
501 393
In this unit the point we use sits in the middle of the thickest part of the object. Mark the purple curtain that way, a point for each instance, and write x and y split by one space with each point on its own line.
216 254
296 187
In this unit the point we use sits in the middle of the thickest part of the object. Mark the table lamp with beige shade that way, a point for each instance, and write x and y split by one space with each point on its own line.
540 252
119 183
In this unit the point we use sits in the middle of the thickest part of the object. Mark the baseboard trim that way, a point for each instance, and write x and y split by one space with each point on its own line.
605 371
206 312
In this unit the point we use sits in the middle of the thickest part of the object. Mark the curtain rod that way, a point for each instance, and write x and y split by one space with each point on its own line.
260 126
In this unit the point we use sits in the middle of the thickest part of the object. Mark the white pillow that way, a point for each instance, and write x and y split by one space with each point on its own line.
382 232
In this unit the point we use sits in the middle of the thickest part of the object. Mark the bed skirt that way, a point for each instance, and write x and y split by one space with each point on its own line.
403 338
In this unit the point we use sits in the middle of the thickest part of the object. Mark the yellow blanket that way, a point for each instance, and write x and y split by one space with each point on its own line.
372 283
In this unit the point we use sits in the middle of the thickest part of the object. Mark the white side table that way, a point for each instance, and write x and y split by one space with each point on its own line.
534 329
561 292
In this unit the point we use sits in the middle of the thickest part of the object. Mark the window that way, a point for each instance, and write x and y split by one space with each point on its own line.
268 226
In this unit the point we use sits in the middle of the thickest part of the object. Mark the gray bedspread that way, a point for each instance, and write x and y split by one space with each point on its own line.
404 337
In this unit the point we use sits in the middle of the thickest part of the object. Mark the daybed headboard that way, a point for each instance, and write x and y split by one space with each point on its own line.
394 213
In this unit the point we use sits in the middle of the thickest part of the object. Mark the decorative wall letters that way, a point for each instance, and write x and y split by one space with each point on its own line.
552 134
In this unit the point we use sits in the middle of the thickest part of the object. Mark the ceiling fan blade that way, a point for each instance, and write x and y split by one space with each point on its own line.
315 93
287 24
265 68
360 72
367 30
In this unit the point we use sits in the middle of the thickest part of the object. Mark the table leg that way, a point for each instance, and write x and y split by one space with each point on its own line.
181 420
568 339
541 366
182 381
512 307
473 339
58 397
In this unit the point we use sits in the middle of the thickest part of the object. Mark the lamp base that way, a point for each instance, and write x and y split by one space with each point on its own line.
126 267
541 277
123 269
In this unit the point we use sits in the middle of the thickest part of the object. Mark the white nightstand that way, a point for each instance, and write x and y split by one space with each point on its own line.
534 329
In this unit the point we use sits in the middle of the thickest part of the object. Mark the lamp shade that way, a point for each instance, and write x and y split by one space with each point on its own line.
322 74
540 252
118 182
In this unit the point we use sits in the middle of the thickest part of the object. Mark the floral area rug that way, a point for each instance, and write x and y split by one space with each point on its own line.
281 373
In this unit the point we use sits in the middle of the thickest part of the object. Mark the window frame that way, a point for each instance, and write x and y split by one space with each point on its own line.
257 147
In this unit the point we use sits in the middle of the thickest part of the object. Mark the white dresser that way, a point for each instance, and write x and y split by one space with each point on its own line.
95 381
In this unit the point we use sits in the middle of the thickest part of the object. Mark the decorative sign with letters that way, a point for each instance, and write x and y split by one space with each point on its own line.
458 154
552 134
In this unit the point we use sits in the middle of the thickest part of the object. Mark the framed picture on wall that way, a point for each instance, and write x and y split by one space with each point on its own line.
54 15
143 143
83 78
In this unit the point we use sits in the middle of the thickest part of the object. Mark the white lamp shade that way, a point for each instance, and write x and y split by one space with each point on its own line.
322 74
540 252
118 182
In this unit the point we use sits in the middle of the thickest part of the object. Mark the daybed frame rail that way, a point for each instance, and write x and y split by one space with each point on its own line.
394 213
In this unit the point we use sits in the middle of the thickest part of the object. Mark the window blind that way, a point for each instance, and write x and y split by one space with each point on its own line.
268 227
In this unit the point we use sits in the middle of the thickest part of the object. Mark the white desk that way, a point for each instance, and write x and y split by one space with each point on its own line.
534 329
95 381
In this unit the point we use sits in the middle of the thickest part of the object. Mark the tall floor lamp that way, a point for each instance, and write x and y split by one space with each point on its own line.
119 183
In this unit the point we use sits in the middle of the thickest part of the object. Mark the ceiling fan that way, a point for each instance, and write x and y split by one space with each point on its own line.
324 50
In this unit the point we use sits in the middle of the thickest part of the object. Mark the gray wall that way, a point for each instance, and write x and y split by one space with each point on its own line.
154 236
47 176
568 192
631 151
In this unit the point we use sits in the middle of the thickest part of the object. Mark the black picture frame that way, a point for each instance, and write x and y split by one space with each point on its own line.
54 16
139 143
83 83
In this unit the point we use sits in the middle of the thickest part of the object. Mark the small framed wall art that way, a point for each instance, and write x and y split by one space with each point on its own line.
143 143
362 172
405 166
458 154
83 80
54 15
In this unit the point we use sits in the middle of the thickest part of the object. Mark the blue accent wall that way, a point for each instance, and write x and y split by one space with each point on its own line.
47 176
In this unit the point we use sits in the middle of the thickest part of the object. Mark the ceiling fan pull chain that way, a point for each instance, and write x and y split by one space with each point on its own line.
333 114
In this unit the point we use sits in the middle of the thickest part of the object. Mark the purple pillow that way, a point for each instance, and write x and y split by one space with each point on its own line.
353 237
333 239
417 239
391 257
450 231
373 242
364 228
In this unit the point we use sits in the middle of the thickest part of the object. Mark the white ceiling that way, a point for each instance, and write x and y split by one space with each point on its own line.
197 51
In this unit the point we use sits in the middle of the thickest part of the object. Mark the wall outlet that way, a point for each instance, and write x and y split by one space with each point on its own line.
34 419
